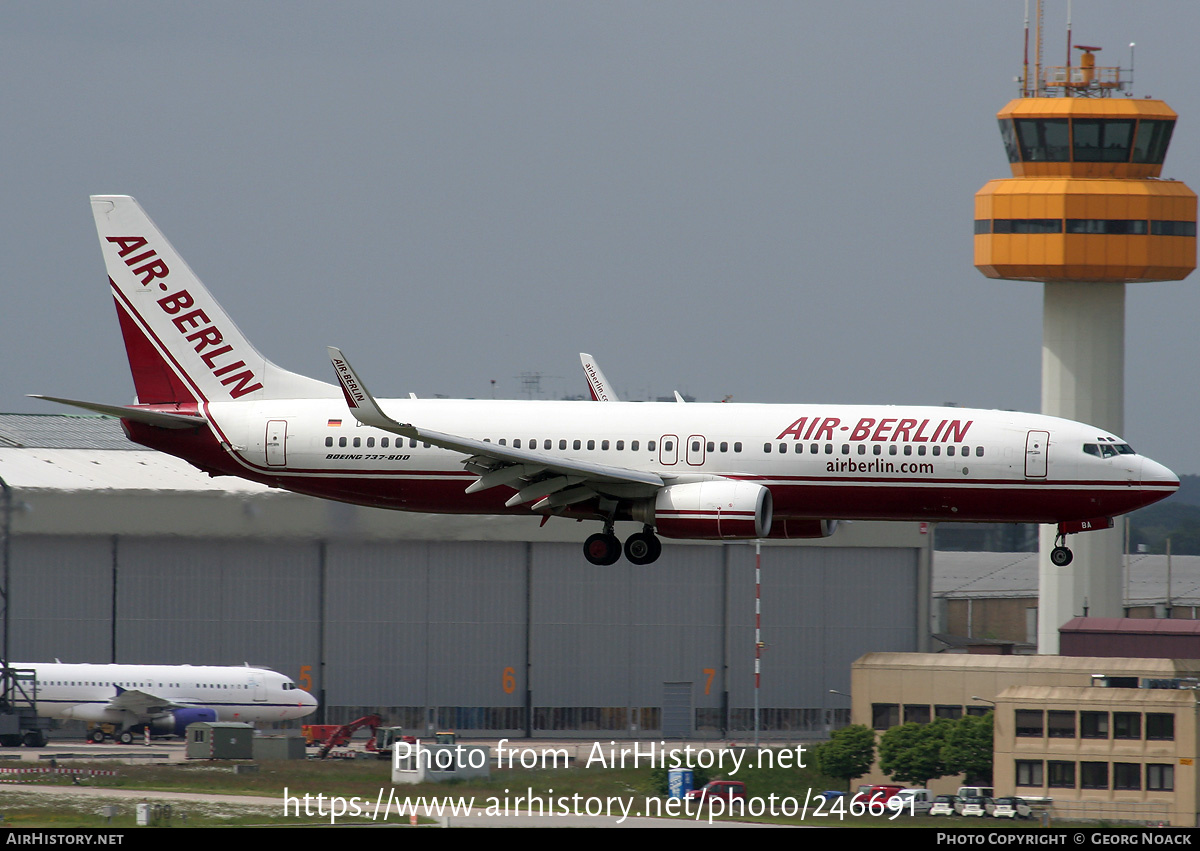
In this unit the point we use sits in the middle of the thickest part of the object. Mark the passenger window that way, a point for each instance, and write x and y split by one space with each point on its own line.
329 441
562 444
908 449
710 446
576 445
357 442
370 442
978 451
604 445
649 445
620 445
634 446
668 445
828 448
342 442
862 449
783 449
547 444
845 448
949 451
503 441
892 450
517 443
737 447
766 447
724 446
591 444
384 443
937 450
876 449
921 450
412 443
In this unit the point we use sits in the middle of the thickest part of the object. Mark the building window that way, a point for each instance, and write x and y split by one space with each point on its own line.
1093 775
1160 725
885 716
1060 724
1061 774
1127 725
1030 723
951 712
916 713
1127 775
1160 778
1029 772
1093 725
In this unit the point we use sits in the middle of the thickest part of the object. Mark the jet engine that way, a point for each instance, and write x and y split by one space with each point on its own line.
175 723
709 510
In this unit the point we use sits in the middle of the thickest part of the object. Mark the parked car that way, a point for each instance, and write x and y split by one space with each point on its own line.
945 805
978 806
881 793
726 789
1013 808
913 802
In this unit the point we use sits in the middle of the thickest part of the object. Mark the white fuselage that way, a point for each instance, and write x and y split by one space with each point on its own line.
84 692
819 461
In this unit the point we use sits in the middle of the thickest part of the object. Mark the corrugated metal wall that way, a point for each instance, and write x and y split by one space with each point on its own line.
410 627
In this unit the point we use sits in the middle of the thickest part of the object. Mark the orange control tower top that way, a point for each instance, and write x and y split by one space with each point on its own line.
1086 201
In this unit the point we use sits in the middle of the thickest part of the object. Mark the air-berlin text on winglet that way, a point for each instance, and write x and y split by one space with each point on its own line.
350 388
892 429
204 333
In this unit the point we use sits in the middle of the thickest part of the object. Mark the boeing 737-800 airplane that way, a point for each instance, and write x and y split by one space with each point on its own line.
165 698
681 470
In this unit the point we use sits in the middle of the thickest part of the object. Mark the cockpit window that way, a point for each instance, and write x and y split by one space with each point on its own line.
1108 450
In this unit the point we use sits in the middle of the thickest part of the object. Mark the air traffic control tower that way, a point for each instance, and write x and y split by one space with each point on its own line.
1085 212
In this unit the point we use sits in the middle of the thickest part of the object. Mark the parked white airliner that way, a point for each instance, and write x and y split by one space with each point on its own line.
681 470
164 697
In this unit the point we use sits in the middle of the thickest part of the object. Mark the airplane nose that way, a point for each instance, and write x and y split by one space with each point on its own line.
1158 475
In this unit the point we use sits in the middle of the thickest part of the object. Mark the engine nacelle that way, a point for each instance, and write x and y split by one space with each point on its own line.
793 527
175 723
709 510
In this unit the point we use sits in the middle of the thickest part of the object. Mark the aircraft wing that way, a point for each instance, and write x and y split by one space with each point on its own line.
140 703
553 480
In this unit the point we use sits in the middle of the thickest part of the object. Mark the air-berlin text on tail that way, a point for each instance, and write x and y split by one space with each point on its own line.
893 429
195 325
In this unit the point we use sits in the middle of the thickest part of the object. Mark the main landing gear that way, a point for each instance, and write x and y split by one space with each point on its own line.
604 548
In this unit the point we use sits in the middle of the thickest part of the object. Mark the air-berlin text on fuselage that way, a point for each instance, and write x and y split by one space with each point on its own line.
195 325
894 429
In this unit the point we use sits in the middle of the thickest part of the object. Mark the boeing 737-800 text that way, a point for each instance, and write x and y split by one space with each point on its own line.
681 470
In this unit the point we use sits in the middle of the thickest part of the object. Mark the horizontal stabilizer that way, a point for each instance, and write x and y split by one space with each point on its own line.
162 419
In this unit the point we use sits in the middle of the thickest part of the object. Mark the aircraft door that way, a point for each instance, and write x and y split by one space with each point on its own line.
276 443
668 450
1037 445
695 449
258 688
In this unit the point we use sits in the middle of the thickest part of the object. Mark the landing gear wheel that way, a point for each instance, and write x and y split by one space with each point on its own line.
603 548
96 736
1061 556
126 737
643 548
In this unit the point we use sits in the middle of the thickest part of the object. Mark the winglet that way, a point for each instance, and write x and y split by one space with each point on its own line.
598 385
362 404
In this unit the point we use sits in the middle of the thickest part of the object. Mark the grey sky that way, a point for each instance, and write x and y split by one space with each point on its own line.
766 200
